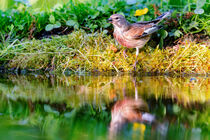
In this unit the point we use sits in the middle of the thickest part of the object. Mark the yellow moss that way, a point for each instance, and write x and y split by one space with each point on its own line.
91 52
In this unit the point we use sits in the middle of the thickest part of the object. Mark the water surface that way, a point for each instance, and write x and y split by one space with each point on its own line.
104 107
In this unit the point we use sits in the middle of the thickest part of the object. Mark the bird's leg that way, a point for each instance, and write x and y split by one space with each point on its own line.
137 53
136 90
124 53
116 43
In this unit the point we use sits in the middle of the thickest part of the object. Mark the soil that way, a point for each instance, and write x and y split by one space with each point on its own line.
54 32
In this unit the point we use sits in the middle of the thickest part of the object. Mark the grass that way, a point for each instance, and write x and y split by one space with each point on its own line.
97 52
87 50
23 22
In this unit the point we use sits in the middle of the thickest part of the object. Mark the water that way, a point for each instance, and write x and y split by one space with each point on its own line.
104 107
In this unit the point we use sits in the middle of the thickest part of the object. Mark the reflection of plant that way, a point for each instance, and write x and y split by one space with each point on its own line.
52 106
55 120
48 124
75 91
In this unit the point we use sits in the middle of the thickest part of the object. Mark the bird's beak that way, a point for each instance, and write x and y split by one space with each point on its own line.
109 20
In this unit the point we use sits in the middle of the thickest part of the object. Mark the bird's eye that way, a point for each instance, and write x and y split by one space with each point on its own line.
116 18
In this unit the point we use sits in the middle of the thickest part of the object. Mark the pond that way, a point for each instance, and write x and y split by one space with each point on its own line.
104 107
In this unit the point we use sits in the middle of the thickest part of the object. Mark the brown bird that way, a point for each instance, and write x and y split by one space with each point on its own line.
134 35
126 111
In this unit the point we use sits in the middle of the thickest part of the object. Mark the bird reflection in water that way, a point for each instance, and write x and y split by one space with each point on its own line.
130 112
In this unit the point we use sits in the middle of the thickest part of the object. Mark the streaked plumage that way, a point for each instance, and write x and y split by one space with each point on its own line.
134 35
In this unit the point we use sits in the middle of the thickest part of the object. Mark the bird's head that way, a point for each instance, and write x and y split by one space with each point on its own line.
118 21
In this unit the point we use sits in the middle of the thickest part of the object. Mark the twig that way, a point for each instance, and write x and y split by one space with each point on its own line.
109 61
115 68
8 47
177 58
46 53
84 56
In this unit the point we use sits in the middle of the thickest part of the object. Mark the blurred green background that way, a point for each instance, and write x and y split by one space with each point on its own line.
35 4
47 4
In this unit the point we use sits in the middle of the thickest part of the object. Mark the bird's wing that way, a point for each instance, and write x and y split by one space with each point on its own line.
137 31
148 22
150 30
145 28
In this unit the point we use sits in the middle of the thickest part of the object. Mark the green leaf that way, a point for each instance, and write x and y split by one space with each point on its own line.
101 9
199 11
105 24
94 26
57 24
49 27
20 27
105 31
11 27
200 4
71 22
163 34
174 14
106 8
76 26
52 19
95 15
121 13
178 33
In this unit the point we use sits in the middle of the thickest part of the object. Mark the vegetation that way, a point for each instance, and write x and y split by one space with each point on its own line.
91 16
88 43
43 105
96 52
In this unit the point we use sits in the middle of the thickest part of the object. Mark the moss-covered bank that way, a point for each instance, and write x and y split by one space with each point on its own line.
80 51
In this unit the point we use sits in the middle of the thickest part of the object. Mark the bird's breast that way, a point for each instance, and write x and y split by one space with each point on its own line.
123 40
129 42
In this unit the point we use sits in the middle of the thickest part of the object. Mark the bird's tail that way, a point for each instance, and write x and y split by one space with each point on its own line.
158 19
163 16
151 30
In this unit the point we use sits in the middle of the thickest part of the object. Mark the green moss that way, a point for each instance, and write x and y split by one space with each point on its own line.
80 51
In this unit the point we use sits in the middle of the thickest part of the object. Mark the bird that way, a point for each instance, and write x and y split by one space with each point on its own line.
126 111
135 35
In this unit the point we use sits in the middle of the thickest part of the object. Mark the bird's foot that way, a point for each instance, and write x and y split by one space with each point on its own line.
134 67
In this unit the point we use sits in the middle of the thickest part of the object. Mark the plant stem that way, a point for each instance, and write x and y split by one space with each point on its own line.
189 8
